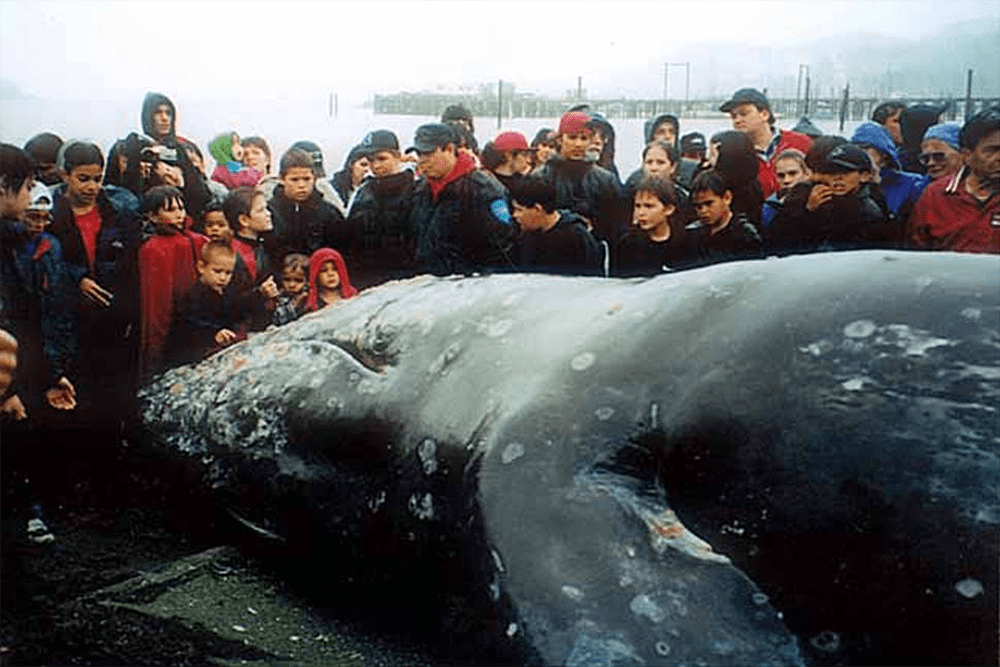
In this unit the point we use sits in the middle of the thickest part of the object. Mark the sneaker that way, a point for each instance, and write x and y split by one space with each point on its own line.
38 532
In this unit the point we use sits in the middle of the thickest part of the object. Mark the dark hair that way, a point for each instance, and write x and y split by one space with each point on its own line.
79 154
709 181
294 261
16 166
192 147
213 205
159 197
465 139
296 157
258 142
457 112
979 126
661 187
655 123
887 110
792 154
490 157
666 147
542 137
239 202
218 247
739 167
44 147
341 181
532 190
821 147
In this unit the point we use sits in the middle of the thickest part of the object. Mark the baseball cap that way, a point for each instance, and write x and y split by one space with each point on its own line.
511 141
695 141
40 198
746 96
846 157
432 136
379 140
574 121
315 153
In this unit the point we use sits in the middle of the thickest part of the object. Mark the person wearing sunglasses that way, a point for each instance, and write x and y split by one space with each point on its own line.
939 151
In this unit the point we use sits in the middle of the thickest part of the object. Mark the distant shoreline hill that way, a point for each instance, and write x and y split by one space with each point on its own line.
10 91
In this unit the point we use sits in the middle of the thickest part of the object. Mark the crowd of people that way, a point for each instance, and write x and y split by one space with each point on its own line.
117 266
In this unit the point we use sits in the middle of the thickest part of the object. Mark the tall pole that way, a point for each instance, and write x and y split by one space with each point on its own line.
844 105
968 95
687 84
579 88
805 111
666 69
499 103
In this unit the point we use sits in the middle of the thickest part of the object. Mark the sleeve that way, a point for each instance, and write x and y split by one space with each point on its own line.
59 327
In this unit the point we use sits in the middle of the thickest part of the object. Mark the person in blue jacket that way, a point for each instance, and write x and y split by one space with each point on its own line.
901 188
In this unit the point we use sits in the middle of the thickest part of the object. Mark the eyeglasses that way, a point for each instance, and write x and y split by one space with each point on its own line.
936 156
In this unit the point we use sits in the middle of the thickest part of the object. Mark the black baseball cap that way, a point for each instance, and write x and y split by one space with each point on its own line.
432 136
315 152
694 141
746 96
379 140
846 157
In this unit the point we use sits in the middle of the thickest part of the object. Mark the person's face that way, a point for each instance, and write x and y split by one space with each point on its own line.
711 208
875 155
14 204
789 173
840 184
939 158
162 119
984 159
259 220
529 218
293 281
748 119
438 163
657 163
649 213
360 168
254 156
238 151
169 174
217 271
597 141
299 183
574 145
215 225
894 128
195 159
713 153
521 162
665 132
171 215
384 163
82 184
543 152
36 221
328 278
48 173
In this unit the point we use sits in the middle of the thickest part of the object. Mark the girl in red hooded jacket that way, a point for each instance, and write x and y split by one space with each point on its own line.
328 279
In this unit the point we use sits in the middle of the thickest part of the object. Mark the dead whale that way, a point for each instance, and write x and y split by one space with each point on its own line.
773 462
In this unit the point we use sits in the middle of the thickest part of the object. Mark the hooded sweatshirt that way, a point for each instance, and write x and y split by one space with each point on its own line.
149 105
316 262
901 189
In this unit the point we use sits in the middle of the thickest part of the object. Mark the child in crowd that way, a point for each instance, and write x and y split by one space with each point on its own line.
303 220
213 222
791 169
838 210
230 171
37 301
551 240
720 234
211 315
328 279
257 154
657 241
347 181
660 159
294 289
250 220
167 263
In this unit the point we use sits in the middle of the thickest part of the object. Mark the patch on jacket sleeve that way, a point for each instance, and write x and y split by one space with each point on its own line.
500 211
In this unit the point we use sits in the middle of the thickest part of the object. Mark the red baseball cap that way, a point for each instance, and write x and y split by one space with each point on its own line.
574 121
511 141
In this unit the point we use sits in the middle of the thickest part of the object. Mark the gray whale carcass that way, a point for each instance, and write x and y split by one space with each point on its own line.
771 462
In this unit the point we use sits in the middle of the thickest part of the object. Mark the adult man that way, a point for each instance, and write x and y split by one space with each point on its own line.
461 219
751 114
381 211
963 213
887 115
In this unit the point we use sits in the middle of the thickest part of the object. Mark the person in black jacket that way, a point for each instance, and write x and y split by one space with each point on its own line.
551 240
721 234
303 221
461 217
381 215
656 241
581 185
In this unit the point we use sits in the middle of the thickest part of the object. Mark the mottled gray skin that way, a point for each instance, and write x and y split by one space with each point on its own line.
526 442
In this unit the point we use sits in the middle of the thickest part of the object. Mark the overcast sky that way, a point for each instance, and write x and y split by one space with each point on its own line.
256 50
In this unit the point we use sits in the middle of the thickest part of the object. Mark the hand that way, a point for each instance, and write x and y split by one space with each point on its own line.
300 298
225 337
819 195
13 406
268 288
91 290
62 395
8 360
